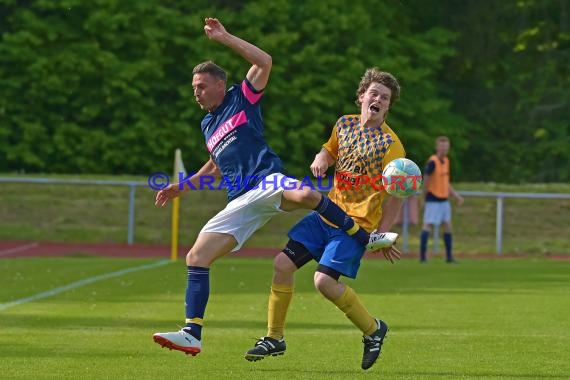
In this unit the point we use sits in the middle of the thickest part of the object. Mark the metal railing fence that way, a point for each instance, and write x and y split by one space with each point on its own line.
499 221
132 185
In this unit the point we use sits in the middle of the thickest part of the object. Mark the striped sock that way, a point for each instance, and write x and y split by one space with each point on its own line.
197 294
334 214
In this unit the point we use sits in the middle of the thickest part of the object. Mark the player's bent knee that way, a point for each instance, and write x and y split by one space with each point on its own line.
190 257
199 258
283 264
311 196
325 278
323 284
305 197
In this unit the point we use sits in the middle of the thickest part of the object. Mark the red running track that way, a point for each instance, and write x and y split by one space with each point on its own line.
13 249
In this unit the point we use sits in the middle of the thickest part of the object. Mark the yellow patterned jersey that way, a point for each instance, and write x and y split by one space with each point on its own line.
361 153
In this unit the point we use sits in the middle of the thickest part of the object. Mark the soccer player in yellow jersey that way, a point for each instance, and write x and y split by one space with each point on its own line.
360 146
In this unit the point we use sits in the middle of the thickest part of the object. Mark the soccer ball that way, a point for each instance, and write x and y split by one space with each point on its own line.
402 178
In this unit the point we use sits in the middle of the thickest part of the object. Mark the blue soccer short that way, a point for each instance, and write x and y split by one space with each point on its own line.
328 245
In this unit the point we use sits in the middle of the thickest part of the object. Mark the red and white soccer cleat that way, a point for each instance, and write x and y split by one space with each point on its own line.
179 340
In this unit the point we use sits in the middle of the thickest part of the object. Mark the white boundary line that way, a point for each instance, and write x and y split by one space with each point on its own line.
80 283
18 249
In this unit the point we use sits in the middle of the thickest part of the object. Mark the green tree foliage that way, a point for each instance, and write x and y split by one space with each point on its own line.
320 51
95 87
510 78
105 86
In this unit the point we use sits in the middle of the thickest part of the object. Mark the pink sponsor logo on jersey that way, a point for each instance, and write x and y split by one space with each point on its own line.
225 128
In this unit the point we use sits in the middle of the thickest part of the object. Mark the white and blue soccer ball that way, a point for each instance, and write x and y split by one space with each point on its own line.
402 178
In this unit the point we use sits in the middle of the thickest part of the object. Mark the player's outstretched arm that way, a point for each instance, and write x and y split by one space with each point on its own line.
176 189
258 74
210 168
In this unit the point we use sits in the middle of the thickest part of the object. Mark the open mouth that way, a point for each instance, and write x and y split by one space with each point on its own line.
374 108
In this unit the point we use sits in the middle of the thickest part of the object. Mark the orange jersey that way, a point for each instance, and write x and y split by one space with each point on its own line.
438 183
361 154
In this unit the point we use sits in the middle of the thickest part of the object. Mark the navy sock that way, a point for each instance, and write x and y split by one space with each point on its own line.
334 214
361 236
447 240
424 237
197 294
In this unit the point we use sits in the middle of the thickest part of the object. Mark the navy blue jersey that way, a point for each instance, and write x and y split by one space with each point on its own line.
234 137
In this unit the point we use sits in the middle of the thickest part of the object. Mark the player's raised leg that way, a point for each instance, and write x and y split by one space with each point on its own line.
312 199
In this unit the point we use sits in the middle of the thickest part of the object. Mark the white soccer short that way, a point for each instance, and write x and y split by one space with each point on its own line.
437 212
250 211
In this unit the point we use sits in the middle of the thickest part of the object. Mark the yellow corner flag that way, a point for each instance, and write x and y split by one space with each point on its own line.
178 168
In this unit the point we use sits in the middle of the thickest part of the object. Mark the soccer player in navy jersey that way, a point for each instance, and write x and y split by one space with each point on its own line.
233 132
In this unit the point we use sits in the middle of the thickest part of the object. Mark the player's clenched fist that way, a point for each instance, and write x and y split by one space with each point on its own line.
214 28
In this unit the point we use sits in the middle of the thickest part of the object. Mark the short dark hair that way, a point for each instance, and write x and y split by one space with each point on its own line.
211 68
442 139
374 75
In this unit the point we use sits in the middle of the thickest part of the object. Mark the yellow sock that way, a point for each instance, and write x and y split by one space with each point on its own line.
354 310
279 301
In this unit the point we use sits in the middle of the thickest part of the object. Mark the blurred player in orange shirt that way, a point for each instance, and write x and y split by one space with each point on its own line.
437 189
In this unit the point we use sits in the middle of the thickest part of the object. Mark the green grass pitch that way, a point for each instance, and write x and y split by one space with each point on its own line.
480 319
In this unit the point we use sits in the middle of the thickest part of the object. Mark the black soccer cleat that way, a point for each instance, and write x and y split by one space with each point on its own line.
266 346
373 345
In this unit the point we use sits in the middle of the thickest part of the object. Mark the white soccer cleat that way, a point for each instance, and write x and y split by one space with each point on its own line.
179 340
380 240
